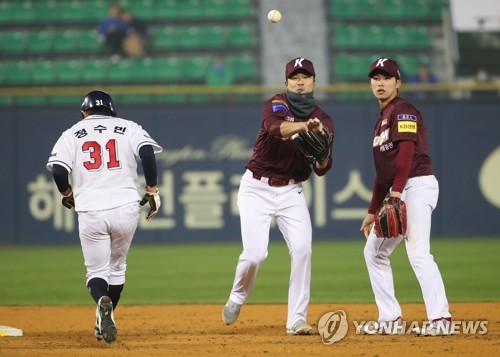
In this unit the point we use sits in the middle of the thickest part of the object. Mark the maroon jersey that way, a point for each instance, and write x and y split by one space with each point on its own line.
276 156
398 121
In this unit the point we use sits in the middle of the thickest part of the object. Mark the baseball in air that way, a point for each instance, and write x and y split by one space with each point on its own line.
274 16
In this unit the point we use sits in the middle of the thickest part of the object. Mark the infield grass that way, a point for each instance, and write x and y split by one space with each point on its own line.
203 273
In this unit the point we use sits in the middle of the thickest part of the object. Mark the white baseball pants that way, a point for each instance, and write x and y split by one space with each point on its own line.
420 195
257 203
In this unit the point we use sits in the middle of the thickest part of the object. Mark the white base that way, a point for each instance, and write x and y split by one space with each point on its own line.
10 331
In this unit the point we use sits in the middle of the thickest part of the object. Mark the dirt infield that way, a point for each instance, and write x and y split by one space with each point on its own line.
198 330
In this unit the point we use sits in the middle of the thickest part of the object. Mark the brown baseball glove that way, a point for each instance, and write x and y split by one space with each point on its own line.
390 219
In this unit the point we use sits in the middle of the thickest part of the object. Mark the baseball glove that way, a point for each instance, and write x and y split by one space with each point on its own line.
315 145
390 219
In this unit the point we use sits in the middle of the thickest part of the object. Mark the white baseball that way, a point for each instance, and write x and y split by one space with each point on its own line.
274 16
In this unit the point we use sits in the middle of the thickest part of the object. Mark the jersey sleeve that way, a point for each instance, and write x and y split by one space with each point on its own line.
141 137
62 153
405 121
273 115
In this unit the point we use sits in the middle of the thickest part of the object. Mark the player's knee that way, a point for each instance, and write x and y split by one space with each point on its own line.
255 258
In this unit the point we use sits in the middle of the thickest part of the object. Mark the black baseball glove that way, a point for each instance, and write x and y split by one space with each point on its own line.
315 145
68 201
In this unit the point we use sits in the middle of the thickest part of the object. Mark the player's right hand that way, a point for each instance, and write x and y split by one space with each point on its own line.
67 199
153 198
367 224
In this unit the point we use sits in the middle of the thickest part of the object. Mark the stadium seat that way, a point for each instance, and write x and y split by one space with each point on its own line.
244 67
418 9
95 71
17 72
12 42
24 12
89 42
69 71
240 8
5 100
189 37
164 38
419 36
343 8
241 36
167 69
120 71
214 37
39 41
43 72
194 68
66 41
190 9
145 9
217 9
143 70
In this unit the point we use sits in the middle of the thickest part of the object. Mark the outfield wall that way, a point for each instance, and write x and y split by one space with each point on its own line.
206 149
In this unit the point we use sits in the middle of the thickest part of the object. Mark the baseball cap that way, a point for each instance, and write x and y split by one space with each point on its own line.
298 64
385 65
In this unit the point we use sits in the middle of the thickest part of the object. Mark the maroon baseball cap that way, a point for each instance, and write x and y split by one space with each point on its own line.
386 65
299 64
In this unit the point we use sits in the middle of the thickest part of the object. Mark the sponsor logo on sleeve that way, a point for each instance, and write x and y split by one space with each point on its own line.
384 122
407 127
407 117
279 105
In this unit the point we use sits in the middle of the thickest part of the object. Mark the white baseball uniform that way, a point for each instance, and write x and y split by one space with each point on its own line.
100 153
399 123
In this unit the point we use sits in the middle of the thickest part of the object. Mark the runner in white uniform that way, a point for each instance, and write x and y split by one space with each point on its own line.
404 170
100 154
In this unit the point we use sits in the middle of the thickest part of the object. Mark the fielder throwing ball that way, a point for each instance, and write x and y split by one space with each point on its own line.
404 174
294 139
100 153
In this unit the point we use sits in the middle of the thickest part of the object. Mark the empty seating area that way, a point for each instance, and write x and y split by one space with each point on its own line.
364 30
56 43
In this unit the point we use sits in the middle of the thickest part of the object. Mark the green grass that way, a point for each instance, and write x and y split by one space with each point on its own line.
203 274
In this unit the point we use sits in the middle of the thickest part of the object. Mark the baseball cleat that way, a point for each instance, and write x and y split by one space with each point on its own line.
300 328
394 327
97 332
438 327
230 312
105 320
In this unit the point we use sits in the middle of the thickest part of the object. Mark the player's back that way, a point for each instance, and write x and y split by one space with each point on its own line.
104 164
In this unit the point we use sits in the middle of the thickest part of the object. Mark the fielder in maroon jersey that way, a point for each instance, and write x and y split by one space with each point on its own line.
403 169
272 186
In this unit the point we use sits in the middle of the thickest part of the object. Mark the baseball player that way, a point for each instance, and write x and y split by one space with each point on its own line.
403 170
272 186
100 153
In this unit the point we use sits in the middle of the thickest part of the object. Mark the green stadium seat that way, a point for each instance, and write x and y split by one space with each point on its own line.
419 36
168 10
240 8
194 68
217 9
368 9
214 37
5 100
145 9
39 41
244 67
164 38
418 9
409 64
143 70
371 37
89 42
17 72
345 36
394 9
66 41
190 9
47 11
43 72
167 69
6 12
24 12
343 8
398 36
241 36
69 71
120 71
13 42
190 37
73 11
95 71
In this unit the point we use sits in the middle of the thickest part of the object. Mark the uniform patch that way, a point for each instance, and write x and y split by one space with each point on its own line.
407 127
407 117
279 105
384 122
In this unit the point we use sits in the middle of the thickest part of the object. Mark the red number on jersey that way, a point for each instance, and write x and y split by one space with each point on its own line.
95 151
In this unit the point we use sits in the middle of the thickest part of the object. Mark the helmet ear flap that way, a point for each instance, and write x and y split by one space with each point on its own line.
97 99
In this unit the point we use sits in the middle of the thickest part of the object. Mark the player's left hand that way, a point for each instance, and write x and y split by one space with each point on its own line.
67 198
153 198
